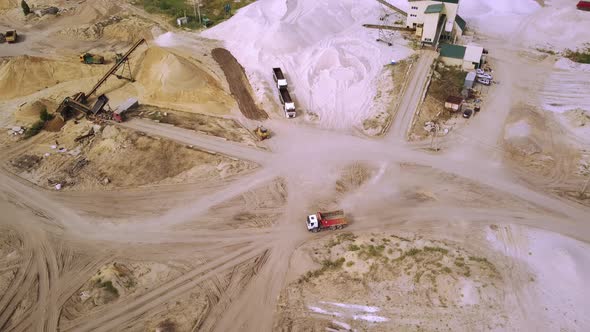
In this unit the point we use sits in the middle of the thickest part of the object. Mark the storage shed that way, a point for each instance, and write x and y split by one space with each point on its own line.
470 80
454 103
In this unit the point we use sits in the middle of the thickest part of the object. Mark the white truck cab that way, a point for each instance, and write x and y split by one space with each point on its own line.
312 222
290 110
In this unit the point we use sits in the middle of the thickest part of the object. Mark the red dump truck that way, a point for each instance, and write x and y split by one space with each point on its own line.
326 220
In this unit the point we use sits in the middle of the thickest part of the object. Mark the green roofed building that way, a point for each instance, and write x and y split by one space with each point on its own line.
467 57
436 21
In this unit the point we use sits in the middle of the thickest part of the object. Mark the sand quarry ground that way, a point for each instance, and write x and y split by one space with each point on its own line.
179 219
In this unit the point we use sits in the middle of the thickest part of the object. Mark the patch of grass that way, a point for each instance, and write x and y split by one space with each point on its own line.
400 238
447 270
35 129
372 251
547 51
346 237
459 263
478 259
436 249
446 81
332 243
579 55
327 265
353 247
349 263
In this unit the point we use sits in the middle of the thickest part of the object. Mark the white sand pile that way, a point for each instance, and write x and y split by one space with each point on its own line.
498 16
23 75
567 64
167 77
565 90
557 25
331 61
557 297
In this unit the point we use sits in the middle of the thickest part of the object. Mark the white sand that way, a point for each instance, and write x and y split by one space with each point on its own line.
558 297
330 60
557 25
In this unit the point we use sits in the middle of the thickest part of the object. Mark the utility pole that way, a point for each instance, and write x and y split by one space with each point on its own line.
432 146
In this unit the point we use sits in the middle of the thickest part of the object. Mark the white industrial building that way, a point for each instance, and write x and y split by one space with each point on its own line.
468 57
435 21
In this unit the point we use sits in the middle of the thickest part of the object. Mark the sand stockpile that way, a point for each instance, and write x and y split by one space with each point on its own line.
167 77
332 61
24 75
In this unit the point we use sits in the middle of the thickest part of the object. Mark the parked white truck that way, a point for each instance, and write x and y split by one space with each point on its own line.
284 96
280 79
288 104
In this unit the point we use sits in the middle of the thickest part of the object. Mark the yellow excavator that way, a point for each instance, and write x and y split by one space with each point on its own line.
262 133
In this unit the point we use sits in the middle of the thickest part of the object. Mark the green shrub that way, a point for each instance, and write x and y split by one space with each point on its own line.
35 129
45 116
26 8
581 56
331 265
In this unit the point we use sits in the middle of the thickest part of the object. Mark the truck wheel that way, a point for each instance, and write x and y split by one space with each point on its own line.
333 228
315 230
339 226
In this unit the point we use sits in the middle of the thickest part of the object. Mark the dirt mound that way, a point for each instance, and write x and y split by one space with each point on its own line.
130 28
390 282
168 77
519 138
24 75
115 158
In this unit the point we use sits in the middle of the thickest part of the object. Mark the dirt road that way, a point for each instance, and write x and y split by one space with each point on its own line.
412 96
190 137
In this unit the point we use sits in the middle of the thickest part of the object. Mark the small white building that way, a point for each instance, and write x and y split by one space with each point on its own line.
182 21
435 20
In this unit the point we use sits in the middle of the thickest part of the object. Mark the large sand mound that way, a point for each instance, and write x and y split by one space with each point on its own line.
331 60
167 77
24 75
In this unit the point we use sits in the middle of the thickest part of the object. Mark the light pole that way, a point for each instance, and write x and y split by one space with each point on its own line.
197 9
